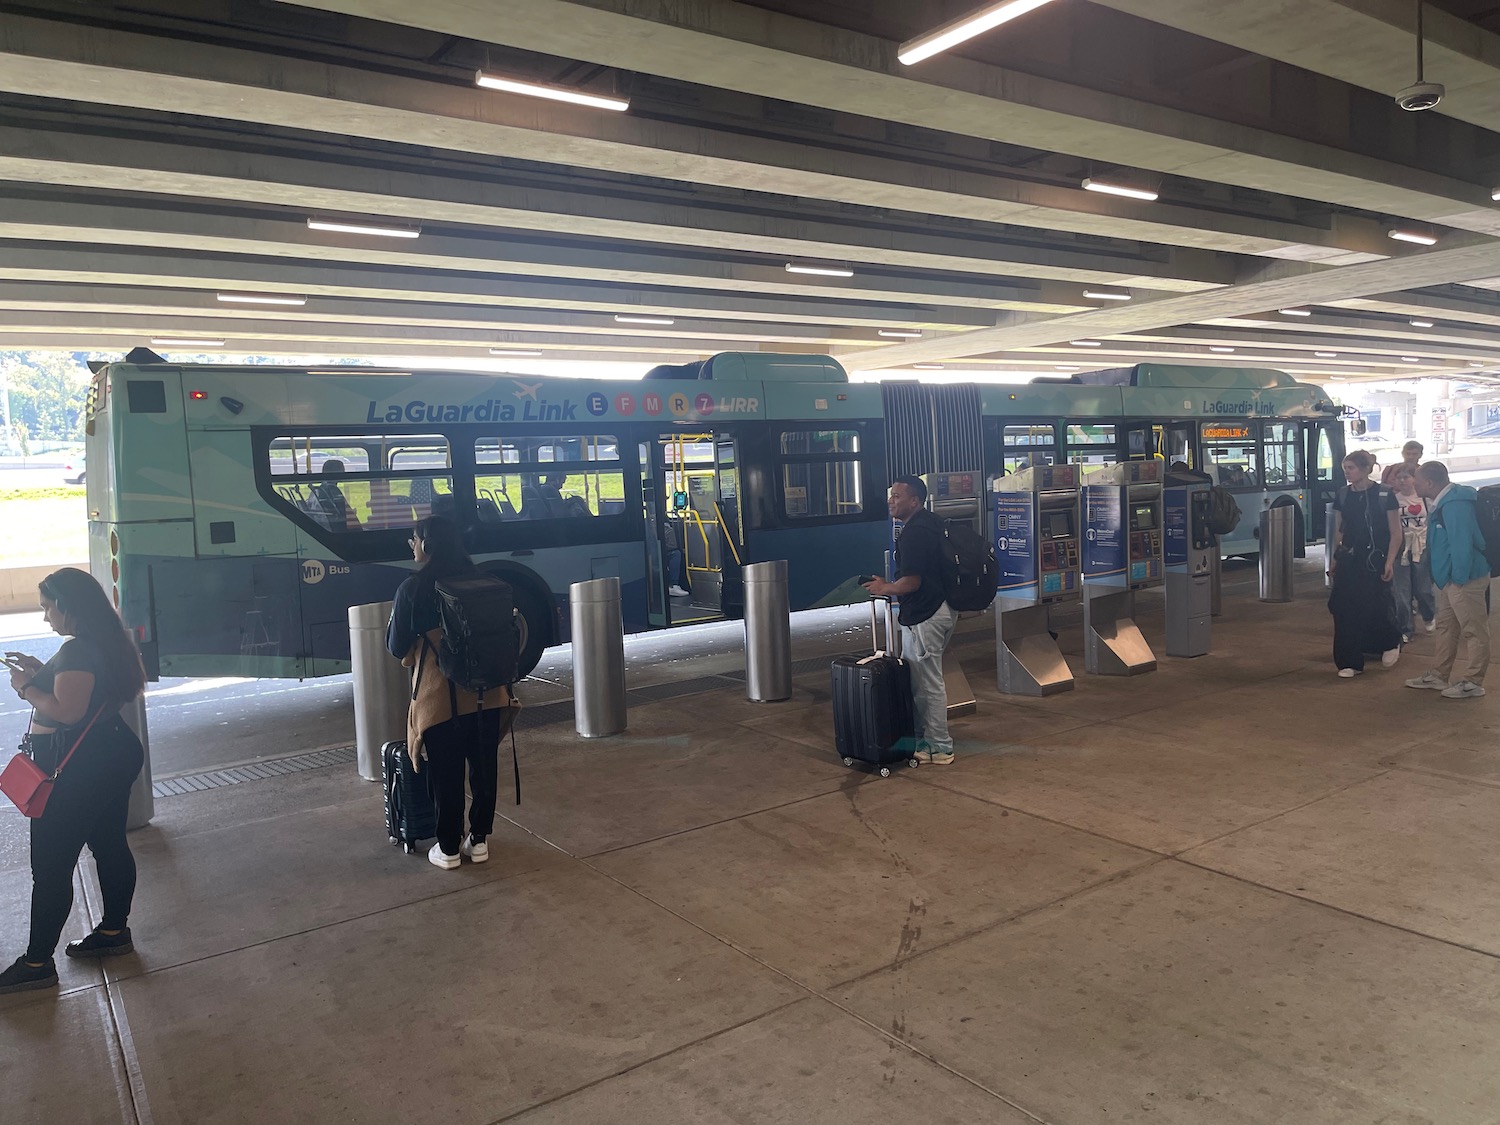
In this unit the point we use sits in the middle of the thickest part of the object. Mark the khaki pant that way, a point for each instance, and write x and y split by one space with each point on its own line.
1460 609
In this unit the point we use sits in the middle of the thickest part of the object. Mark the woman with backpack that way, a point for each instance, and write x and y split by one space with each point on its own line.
446 723
1366 545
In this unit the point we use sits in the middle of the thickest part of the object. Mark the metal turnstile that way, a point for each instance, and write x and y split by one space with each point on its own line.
1034 515
1122 553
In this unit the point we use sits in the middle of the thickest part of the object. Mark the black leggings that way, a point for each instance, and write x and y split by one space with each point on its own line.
472 740
89 806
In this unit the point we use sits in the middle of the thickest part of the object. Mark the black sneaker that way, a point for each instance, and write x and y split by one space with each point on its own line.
21 977
101 945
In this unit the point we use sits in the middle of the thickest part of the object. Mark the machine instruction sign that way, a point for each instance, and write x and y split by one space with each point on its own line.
1014 542
1103 533
1175 528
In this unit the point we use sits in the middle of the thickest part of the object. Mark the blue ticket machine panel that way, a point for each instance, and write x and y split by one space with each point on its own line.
1034 517
1122 526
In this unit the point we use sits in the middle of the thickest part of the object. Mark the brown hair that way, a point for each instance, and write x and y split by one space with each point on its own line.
1362 458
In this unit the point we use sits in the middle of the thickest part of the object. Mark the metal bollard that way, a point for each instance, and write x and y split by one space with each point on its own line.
1277 540
768 633
598 657
142 800
1216 579
382 687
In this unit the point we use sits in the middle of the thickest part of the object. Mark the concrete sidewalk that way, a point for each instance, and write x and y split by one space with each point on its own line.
1235 890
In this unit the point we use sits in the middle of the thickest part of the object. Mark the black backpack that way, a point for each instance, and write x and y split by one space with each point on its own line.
1487 515
1223 510
481 645
973 571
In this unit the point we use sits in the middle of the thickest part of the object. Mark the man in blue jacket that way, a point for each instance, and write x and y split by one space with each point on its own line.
1461 576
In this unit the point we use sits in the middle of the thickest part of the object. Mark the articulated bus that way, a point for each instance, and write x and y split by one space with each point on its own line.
238 512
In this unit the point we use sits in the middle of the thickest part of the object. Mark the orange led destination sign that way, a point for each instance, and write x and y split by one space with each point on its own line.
1210 432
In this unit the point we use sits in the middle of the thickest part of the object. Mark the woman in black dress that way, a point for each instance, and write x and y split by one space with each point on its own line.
76 699
1365 548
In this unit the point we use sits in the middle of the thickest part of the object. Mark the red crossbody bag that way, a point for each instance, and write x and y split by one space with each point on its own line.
28 785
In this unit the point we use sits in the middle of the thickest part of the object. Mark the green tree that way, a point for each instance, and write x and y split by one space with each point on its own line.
47 392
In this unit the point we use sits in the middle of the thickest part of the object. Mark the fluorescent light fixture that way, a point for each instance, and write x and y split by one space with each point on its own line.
552 93
1295 312
384 230
1065 367
175 342
1495 194
900 333
965 27
1421 238
1091 184
1410 359
927 366
1214 348
1106 295
513 353
1475 363
1086 343
1326 355
622 318
260 299
1420 323
819 270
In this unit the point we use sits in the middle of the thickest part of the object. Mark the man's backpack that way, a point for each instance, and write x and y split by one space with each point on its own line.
973 571
1223 510
481 645
1487 513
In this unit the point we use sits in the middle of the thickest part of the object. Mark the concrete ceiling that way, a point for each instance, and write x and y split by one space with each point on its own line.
155 154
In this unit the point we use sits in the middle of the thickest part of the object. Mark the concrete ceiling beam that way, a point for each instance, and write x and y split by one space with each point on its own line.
1369 43
42 58
1436 267
585 302
735 46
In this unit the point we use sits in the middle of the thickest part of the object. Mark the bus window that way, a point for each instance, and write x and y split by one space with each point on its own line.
1090 444
1229 454
340 483
820 473
1283 446
547 478
1026 446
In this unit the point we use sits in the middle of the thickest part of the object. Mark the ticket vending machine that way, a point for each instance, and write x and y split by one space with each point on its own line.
1122 553
957 497
1035 518
1187 552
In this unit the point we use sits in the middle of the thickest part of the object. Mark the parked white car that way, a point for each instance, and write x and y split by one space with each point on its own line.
73 473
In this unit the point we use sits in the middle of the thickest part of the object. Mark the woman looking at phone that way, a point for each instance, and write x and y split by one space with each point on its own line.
76 699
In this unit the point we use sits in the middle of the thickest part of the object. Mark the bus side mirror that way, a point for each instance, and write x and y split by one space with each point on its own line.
1359 427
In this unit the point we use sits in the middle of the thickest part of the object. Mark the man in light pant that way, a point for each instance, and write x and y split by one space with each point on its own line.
926 618
1461 577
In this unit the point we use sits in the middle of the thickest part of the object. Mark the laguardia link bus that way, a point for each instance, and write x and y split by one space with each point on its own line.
236 513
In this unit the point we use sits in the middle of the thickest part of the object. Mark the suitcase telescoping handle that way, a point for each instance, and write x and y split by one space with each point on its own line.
892 634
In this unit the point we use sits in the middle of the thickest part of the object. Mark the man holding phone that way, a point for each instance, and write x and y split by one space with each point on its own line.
926 619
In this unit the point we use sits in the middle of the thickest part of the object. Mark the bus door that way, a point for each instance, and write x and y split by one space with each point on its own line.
1177 443
1323 474
697 523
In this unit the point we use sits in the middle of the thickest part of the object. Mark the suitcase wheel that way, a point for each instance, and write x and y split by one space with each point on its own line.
913 763
848 761
411 848
885 771
395 840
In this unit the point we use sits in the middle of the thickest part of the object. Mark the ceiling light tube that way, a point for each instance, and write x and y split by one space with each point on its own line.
927 366
176 342
1214 348
1105 295
1421 238
828 270
1295 312
624 318
1066 367
1495 194
1410 359
900 333
383 230
513 353
1420 323
965 27
1326 355
1475 363
1086 343
552 93
1091 184
260 299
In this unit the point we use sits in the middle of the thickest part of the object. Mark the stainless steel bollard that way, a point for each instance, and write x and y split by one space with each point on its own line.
1216 578
382 687
598 657
768 633
142 800
1278 538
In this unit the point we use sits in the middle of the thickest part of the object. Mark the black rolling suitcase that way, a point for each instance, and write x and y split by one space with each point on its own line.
410 814
873 718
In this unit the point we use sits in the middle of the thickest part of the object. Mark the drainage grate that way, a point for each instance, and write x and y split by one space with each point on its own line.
255 771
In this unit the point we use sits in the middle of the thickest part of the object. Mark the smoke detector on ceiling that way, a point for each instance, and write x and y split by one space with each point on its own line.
1420 95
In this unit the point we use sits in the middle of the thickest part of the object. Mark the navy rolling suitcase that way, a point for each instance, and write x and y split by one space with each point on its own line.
410 814
873 718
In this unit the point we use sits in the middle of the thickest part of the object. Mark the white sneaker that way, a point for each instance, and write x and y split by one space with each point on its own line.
474 853
1429 626
679 592
1464 689
439 858
1429 679
1349 673
1390 656
935 757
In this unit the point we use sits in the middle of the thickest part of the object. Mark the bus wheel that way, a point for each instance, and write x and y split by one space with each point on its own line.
534 617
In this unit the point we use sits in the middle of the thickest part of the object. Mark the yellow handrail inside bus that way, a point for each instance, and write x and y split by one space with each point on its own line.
729 539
